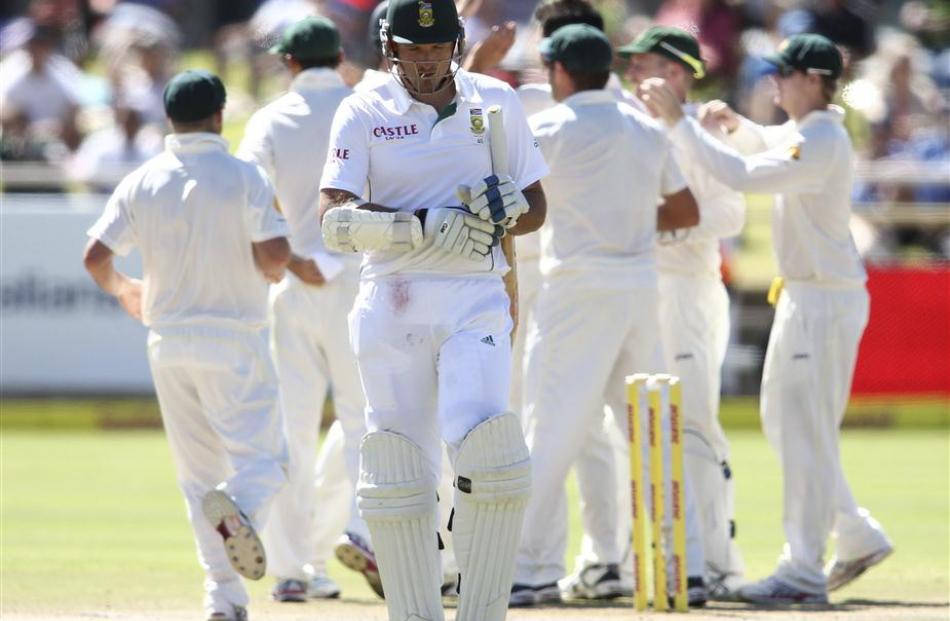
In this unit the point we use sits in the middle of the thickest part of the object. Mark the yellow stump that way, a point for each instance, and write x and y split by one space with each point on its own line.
635 389
680 600
656 496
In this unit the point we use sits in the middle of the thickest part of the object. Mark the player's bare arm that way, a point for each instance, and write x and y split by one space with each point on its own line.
537 210
678 211
128 291
306 270
271 257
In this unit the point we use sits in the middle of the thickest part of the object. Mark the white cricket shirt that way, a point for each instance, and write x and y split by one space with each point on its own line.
610 166
537 97
288 138
809 166
193 212
721 215
398 152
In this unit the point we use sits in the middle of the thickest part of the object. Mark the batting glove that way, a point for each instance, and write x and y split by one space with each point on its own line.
495 199
459 232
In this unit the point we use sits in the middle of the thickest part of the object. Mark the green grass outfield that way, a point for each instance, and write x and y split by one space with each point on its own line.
91 523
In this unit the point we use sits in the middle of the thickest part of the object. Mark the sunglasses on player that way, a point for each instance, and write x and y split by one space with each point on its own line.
785 71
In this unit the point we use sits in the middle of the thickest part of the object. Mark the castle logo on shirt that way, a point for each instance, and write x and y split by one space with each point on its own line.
399 132
426 16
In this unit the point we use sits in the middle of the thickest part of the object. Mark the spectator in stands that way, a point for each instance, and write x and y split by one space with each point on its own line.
716 24
39 81
17 143
108 155
848 23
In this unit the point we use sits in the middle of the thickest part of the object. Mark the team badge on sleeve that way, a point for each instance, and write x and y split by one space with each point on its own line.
426 16
795 152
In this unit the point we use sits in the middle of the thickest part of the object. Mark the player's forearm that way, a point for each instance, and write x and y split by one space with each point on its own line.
330 198
97 260
537 212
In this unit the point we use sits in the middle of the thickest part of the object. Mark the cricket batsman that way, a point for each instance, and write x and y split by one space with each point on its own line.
414 182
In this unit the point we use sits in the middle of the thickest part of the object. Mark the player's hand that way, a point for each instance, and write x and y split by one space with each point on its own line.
307 271
716 116
130 297
488 54
495 199
459 232
660 100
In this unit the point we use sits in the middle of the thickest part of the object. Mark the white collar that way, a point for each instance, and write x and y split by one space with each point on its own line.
195 142
588 97
401 100
315 79
831 113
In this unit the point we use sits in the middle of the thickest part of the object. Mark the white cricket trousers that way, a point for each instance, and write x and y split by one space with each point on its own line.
434 355
529 284
311 351
585 337
218 396
806 382
694 330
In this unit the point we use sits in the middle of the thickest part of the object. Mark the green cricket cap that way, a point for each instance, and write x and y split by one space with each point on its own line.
811 53
673 43
193 95
417 21
579 47
312 38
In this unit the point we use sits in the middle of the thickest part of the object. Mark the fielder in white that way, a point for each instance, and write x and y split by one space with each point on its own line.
694 311
289 139
611 167
431 325
210 241
596 464
821 312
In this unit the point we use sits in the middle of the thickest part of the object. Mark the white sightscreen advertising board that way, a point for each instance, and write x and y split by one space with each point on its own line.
58 332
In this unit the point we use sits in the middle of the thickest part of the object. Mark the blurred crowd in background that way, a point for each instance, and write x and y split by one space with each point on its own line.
81 81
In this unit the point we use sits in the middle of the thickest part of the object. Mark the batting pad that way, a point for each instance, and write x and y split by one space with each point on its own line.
493 482
346 229
397 499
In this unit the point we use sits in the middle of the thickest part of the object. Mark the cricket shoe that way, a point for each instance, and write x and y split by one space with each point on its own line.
244 547
356 554
696 593
289 590
524 595
322 587
450 586
841 573
772 591
597 581
238 613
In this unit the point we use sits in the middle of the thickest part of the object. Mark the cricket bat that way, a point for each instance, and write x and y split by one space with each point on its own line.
498 145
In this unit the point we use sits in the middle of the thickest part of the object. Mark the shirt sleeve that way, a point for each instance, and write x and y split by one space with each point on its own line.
525 162
256 145
721 211
801 168
115 227
672 180
347 166
264 222
750 137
